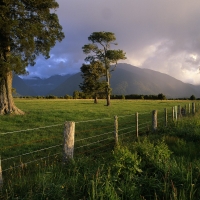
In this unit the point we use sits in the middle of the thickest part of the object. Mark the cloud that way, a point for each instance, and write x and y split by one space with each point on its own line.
159 35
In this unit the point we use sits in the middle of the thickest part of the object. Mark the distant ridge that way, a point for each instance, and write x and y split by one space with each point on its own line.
21 87
126 79
42 86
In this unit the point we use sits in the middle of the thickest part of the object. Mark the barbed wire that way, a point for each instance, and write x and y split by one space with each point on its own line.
31 152
125 116
30 129
17 145
21 165
124 133
94 143
126 128
94 136
100 128
142 127
95 148
92 120
130 122
144 123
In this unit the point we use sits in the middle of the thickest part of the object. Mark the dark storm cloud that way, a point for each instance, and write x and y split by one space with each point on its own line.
160 35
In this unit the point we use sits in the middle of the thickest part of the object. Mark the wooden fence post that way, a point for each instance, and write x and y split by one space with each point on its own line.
172 113
193 108
1 176
116 130
176 114
185 109
179 111
136 124
69 132
154 120
189 108
166 117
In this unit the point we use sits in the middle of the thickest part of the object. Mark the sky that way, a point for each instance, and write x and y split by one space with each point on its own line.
162 35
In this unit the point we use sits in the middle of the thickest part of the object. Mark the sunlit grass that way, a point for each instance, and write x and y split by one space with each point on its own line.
167 169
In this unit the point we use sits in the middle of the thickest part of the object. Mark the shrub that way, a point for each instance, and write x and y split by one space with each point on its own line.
125 162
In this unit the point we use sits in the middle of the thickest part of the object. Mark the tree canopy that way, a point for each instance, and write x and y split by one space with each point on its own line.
93 83
99 50
28 28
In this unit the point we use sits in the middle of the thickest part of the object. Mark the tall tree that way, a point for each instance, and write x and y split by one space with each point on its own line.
28 28
93 83
99 50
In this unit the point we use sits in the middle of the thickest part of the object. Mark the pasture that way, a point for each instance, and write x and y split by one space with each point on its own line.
163 165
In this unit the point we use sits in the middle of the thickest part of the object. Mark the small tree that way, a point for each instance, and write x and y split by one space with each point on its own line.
99 50
76 94
93 83
161 96
192 97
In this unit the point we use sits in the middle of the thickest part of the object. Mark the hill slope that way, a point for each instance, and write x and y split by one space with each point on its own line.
128 79
42 86
21 87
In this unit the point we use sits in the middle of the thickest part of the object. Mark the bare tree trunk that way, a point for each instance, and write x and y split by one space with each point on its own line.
95 99
108 87
7 105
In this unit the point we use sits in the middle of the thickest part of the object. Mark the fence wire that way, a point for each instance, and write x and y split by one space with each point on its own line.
23 164
33 129
31 152
123 133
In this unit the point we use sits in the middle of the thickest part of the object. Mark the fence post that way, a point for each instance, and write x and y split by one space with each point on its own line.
154 120
172 113
1 176
176 114
69 132
166 117
189 108
116 130
136 124
185 109
179 111
193 108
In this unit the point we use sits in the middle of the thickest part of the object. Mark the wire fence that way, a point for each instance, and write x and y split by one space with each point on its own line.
90 137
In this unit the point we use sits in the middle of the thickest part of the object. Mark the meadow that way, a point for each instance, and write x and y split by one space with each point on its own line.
161 165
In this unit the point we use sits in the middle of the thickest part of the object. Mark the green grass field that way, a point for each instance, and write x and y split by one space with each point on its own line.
164 165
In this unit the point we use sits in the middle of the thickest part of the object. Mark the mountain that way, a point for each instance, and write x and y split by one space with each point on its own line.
42 86
145 81
21 87
68 86
128 79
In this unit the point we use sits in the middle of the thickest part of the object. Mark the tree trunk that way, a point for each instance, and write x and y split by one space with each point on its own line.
95 99
108 87
7 105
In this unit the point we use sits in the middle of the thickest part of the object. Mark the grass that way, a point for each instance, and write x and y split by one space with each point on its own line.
164 165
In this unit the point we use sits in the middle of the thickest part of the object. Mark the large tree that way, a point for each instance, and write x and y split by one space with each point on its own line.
28 28
93 81
99 50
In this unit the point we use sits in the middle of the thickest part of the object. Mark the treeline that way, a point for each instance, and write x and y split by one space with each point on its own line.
81 95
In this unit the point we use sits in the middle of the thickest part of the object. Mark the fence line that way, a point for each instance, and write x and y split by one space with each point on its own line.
33 129
125 133
100 128
92 120
94 143
93 136
17 145
23 164
126 128
31 152
174 115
